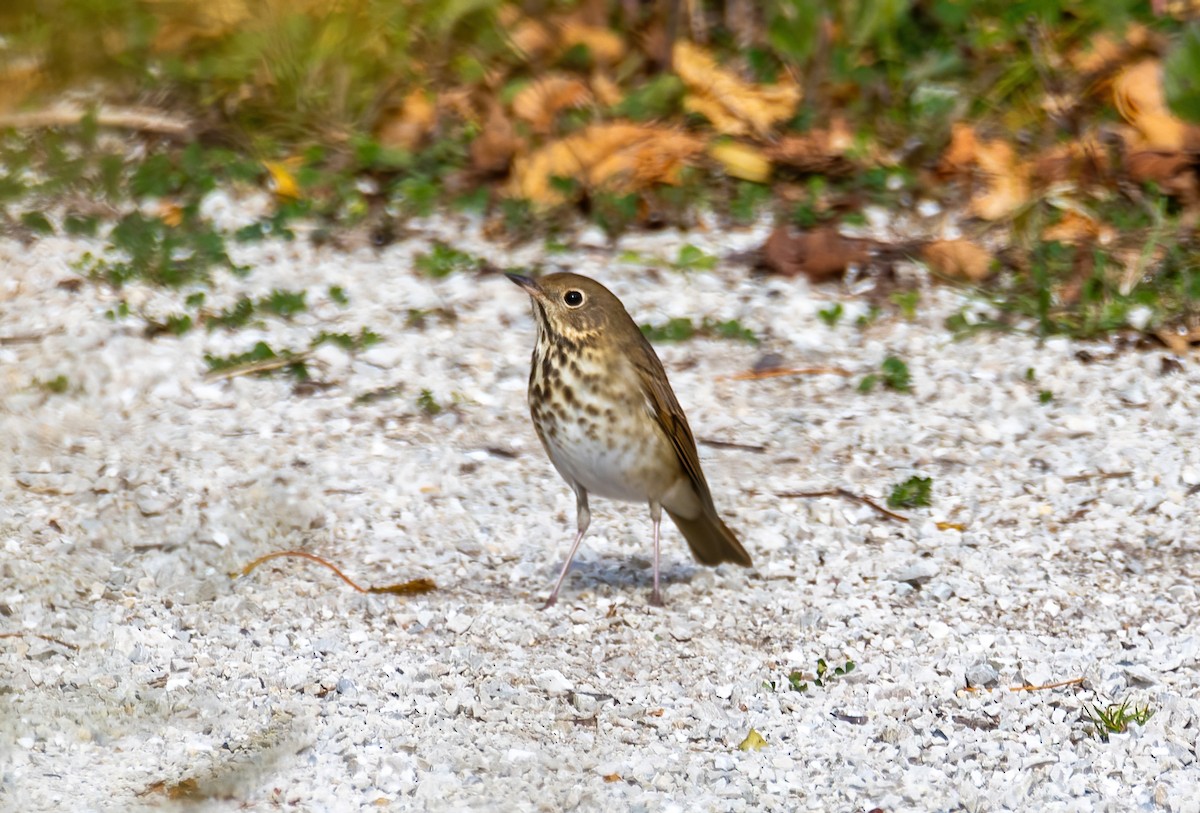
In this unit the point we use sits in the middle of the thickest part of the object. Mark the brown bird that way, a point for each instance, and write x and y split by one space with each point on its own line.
605 413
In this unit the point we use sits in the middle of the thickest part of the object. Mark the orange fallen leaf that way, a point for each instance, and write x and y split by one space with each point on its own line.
1083 162
951 526
607 92
492 150
734 107
605 46
1139 97
1174 172
170 212
618 157
1076 227
529 38
821 151
540 102
958 259
407 126
1007 179
819 254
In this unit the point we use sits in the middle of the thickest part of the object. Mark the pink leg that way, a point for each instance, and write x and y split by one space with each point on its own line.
656 516
583 518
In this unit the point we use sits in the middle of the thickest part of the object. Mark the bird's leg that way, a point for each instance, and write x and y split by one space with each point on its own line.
583 519
656 517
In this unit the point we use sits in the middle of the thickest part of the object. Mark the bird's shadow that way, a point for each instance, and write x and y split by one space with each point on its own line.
624 573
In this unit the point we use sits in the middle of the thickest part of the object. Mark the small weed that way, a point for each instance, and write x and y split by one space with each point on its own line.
822 677
1116 717
729 329
338 295
869 318
1045 396
57 385
614 213
681 329
907 302
347 341
832 315
427 404
284 304
443 261
290 362
675 330
748 199
693 259
915 492
893 375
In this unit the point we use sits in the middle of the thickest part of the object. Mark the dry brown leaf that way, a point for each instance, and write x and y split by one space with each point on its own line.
608 92
1138 95
407 127
1075 228
605 46
540 102
493 149
619 157
734 107
819 254
960 153
529 38
179 24
742 161
958 259
1008 187
1105 51
19 78
1175 173
1083 162
1007 182
169 212
820 151
1180 340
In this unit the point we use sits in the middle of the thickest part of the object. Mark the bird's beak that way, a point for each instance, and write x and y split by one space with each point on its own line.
530 285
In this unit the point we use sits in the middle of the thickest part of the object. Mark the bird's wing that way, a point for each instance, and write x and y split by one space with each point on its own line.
665 409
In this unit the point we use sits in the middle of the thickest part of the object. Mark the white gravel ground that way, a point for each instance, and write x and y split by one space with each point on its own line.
126 502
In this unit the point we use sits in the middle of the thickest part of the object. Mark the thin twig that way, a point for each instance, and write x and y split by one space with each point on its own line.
841 492
49 638
1026 688
1100 475
142 119
781 372
411 587
728 444
264 366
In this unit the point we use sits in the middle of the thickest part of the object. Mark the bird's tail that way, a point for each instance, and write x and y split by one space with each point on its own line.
710 539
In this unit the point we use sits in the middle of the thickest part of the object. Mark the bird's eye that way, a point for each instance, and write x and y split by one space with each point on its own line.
573 298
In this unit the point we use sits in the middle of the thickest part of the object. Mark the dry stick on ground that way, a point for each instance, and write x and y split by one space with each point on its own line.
141 119
253 367
849 495
757 375
412 587
1101 475
1026 688
49 638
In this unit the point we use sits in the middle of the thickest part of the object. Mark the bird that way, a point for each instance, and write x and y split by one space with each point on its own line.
609 421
